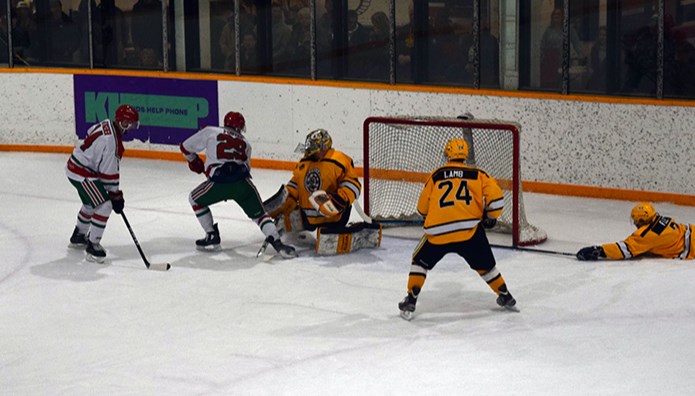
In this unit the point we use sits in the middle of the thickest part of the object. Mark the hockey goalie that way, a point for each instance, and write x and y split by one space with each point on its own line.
320 196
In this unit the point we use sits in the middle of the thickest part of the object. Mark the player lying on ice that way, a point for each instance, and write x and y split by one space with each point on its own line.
320 195
656 235
228 171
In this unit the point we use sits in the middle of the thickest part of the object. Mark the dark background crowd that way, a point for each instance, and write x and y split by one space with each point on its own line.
614 48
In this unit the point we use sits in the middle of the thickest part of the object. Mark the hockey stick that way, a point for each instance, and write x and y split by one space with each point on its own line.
368 219
534 250
154 266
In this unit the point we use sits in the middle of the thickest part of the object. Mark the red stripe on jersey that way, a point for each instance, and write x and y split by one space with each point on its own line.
80 170
106 176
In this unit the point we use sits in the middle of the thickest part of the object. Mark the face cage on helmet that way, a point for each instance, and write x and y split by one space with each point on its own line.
127 125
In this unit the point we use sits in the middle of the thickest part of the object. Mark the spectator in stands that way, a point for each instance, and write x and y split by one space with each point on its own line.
405 45
358 46
599 70
379 63
228 43
281 37
442 46
249 53
63 34
641 56
4 46
114 34
680 71
23 31
551 51
146 27
300 44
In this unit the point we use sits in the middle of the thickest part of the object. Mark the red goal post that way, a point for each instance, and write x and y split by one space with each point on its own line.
401 152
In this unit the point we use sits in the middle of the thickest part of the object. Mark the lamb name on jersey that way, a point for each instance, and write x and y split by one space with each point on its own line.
456 191
98 157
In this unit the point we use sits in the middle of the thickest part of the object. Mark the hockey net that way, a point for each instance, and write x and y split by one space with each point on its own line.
401 152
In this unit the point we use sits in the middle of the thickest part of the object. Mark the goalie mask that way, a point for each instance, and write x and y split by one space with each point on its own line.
643 213
456 150
317 142
235 121
127 118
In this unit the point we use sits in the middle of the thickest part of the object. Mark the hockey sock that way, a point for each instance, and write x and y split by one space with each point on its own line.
416 279
267 226
98 221
494 279
84 218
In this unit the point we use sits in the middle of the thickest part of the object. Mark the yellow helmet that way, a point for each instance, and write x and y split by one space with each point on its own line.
456 149
643 213
317 141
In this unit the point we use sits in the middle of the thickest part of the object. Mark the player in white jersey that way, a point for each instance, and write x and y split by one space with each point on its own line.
93 169
228 170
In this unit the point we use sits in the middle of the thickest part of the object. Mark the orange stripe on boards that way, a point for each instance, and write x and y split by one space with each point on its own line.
354 85
415 177
607 193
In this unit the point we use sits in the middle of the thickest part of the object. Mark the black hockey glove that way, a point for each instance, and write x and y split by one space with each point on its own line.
488 222
590 253
117 201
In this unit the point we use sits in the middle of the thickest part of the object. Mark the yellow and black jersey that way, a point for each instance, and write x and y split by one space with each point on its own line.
334 173
454 200
663 237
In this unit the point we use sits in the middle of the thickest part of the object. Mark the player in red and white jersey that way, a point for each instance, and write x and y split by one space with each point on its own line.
227 167
93 169
656 235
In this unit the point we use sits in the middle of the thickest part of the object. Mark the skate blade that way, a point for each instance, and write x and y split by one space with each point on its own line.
407 315
210 248
78 246
508 308
95 259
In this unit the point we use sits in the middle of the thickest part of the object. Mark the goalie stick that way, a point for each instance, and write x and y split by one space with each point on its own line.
153 266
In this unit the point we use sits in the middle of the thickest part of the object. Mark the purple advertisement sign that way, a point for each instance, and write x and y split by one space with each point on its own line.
170 109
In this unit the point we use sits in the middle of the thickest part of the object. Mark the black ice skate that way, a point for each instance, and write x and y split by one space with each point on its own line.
407 306
286 251
78 240
505 300
211 242
95 252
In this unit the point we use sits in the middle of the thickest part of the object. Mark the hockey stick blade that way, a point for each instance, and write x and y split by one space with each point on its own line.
156 266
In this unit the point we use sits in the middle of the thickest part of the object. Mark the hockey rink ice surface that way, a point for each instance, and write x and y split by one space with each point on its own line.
227 323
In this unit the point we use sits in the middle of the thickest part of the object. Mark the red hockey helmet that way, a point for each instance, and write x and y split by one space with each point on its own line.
235 121
127 118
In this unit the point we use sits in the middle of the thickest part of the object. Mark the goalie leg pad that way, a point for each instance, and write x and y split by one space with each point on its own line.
290 222
349 239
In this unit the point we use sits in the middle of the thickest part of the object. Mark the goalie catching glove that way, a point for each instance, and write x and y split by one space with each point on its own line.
327 205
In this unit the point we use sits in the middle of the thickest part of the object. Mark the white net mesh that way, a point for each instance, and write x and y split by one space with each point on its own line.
400 156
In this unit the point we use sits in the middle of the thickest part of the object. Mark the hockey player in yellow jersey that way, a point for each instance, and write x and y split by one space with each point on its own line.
320 195
657 235
457 199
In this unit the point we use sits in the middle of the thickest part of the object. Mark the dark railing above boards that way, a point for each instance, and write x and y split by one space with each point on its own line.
614 48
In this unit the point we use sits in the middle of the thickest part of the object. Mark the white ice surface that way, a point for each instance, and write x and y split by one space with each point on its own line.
228 323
